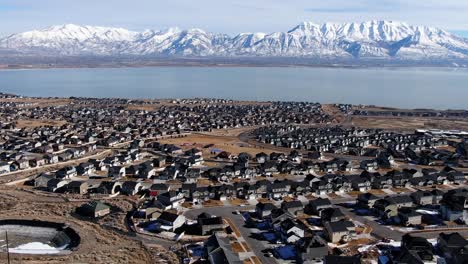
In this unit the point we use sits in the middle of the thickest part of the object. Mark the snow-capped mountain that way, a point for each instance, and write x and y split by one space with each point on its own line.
373 39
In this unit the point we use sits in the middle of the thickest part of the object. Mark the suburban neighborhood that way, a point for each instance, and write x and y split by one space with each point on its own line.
223 181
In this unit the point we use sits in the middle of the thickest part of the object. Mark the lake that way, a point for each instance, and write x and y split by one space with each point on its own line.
439 88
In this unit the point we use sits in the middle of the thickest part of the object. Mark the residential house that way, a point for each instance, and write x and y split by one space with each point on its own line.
311 249
42 180
450 244
264 209
131 187
415 249
66 173
291 231
85 168
409 217
339 231
79 187
366 200
94 209
171 221
208 224
55 184
314 207
219 250
293 207
454 205
171 199
332 215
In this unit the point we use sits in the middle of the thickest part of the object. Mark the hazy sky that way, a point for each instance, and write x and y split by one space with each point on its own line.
229 16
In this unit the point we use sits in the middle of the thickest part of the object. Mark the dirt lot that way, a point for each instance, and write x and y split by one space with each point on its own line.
232 132
103 241
38 102
407 124
38 123
333 111
230 144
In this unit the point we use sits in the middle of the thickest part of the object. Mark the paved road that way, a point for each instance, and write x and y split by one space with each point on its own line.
378 230
226 212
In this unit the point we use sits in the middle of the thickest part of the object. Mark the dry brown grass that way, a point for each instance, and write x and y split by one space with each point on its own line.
263 200
231 132
187 205
236 247
256 260
237 201
38 102
212 203
407 123
247 248
334 195
354 193
230 144
377 192
334 112
32 123
400 190
143 107
204 182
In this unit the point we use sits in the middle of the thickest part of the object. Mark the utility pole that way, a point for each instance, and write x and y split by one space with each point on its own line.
7 248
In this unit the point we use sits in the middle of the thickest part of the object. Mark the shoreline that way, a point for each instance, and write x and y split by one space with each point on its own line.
228 66
214 63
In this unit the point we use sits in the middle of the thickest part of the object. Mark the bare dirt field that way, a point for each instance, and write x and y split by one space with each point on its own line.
38 102
231 144
333 111
232 132
106 240
401 123
38 123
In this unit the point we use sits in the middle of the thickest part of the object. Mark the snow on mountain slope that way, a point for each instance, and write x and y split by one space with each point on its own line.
380 39
70 40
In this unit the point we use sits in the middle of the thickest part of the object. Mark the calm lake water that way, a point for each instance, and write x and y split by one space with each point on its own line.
402 87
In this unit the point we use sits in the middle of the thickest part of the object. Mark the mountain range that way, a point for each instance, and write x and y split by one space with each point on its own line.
372 39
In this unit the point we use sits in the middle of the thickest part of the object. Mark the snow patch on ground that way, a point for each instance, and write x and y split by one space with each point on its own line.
36 248
395 244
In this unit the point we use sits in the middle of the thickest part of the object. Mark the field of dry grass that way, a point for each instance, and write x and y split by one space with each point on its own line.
212 203
38 102
230 144
32 123
236 247
407 124
333 111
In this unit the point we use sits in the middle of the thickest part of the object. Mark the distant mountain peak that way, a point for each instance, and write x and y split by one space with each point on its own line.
371 39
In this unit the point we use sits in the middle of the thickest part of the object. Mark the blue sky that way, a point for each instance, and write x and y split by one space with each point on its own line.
229 16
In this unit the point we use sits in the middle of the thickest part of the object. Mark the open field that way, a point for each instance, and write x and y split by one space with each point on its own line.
407 123
230 144
38 123
232 132
333 111
37 102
